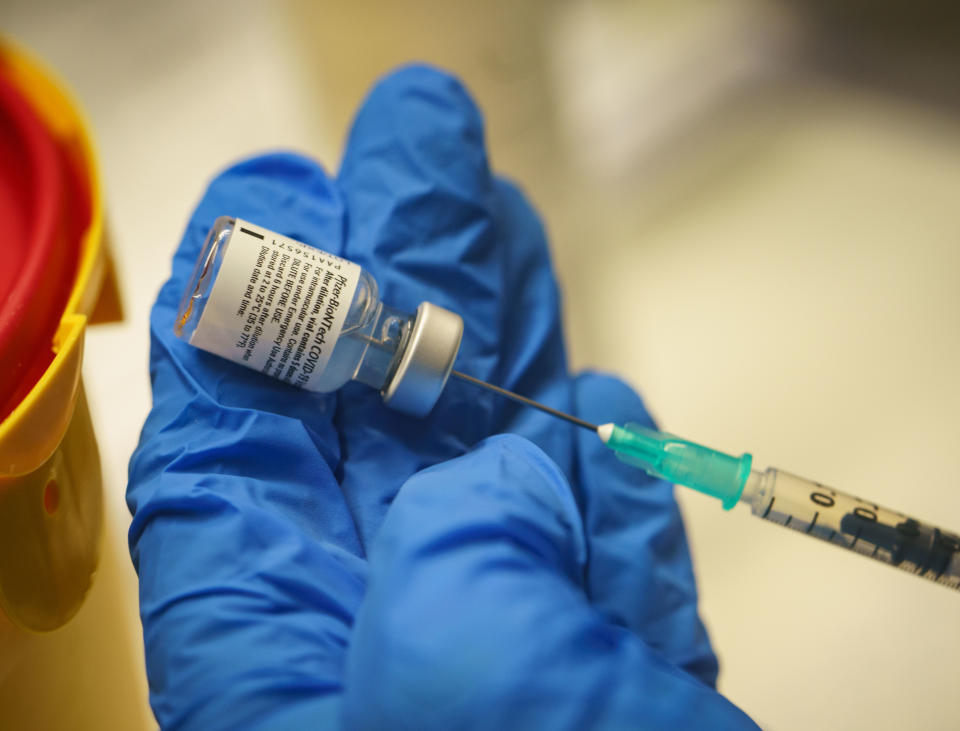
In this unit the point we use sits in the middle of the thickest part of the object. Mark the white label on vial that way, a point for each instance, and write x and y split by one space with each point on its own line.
277 305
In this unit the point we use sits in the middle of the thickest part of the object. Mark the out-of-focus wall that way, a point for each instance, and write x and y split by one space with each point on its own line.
753 212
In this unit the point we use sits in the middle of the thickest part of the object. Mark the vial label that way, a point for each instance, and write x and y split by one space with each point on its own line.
277 305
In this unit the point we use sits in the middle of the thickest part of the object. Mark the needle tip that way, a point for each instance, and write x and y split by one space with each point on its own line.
605 431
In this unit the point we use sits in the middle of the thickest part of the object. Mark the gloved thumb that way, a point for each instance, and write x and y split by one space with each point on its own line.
476 615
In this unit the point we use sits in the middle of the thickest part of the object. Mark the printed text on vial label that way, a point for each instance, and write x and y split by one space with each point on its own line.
295 301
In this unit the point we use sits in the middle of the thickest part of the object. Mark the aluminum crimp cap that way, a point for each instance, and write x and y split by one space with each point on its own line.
426 361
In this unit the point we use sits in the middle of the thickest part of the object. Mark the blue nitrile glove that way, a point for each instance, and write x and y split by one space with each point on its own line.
521 581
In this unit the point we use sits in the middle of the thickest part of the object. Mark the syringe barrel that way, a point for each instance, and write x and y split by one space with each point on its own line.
855 524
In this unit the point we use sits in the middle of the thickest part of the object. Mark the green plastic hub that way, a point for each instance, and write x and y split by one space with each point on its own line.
681 462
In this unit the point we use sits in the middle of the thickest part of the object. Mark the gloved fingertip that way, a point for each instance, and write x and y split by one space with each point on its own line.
421 124
506 492
425 81
281 164
285 192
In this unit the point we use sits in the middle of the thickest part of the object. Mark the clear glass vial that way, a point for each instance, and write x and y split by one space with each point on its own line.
311 319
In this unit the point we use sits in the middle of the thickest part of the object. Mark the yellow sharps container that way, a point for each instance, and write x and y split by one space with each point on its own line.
54 263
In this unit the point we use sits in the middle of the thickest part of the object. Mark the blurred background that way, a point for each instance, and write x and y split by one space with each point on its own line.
753 208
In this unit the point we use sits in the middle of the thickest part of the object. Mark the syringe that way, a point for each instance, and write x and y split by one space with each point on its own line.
314 320
780 497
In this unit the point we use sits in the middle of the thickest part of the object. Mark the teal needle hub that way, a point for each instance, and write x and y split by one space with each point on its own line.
684 463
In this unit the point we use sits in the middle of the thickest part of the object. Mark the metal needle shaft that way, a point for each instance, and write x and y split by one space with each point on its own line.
524 400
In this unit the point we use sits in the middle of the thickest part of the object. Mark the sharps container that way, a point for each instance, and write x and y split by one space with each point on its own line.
53 262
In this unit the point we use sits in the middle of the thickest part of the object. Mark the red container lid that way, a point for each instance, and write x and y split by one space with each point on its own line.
44 207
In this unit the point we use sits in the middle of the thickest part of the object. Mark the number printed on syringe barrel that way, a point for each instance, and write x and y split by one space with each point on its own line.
858 525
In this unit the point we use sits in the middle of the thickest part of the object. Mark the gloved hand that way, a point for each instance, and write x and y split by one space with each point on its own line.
310 560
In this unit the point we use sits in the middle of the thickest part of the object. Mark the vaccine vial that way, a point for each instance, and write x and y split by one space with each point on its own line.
312 319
